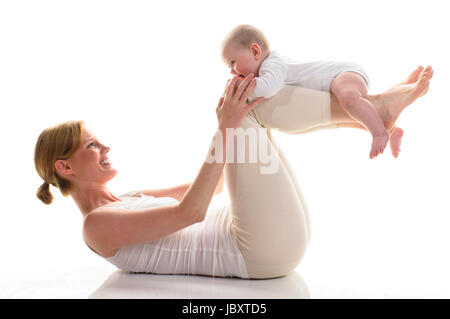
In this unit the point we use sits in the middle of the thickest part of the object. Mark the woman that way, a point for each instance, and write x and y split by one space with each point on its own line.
262 233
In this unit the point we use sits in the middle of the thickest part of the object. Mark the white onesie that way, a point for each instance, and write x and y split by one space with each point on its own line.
206 248
277 71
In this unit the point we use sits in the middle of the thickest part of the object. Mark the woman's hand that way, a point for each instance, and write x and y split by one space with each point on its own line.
233 106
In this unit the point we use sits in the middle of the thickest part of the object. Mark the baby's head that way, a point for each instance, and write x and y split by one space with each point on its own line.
244 49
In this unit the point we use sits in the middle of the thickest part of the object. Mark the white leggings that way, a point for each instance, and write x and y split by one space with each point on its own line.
270 217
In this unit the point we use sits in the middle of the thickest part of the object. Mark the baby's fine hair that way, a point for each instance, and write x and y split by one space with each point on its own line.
246 34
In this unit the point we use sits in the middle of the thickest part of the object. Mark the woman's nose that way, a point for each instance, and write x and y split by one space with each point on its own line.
105 149
233 72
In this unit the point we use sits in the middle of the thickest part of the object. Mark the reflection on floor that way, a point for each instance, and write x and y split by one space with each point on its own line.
123 285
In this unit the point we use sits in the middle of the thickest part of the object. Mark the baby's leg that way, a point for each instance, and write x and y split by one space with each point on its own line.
351 91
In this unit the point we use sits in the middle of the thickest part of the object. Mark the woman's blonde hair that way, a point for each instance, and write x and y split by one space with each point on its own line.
55 143
244 35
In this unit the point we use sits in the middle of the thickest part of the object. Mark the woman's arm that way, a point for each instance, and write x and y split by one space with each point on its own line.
178 191
107 229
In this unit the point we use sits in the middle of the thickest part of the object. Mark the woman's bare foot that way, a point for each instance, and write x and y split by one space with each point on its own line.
413 76
395 140
391 103
396 133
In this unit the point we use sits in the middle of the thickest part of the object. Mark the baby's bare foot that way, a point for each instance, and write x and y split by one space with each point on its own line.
395 141
379 143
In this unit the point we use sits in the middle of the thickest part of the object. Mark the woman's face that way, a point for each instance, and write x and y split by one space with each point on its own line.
90 164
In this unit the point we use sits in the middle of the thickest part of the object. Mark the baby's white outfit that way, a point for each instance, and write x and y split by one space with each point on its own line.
206 248
277 71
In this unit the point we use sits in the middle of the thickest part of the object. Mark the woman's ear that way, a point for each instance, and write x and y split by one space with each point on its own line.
256 50
62 167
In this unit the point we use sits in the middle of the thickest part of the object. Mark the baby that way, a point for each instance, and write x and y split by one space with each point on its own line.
246 50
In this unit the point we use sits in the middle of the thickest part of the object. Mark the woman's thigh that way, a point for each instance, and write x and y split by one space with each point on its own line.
269 218
296 110
294 180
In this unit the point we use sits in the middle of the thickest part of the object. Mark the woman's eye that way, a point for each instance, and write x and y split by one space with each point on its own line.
91 144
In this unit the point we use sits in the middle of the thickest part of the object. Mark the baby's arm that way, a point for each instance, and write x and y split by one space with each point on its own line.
271 79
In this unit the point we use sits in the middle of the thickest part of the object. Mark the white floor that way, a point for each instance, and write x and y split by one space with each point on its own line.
338 279
103 281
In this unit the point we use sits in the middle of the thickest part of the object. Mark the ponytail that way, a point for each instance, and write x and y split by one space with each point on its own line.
44 194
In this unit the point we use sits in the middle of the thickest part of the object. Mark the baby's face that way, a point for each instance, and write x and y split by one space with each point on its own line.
241 61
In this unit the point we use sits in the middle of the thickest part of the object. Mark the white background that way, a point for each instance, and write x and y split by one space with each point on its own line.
146 77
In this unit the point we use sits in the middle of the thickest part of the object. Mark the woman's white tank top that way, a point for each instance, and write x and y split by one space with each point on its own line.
205 248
